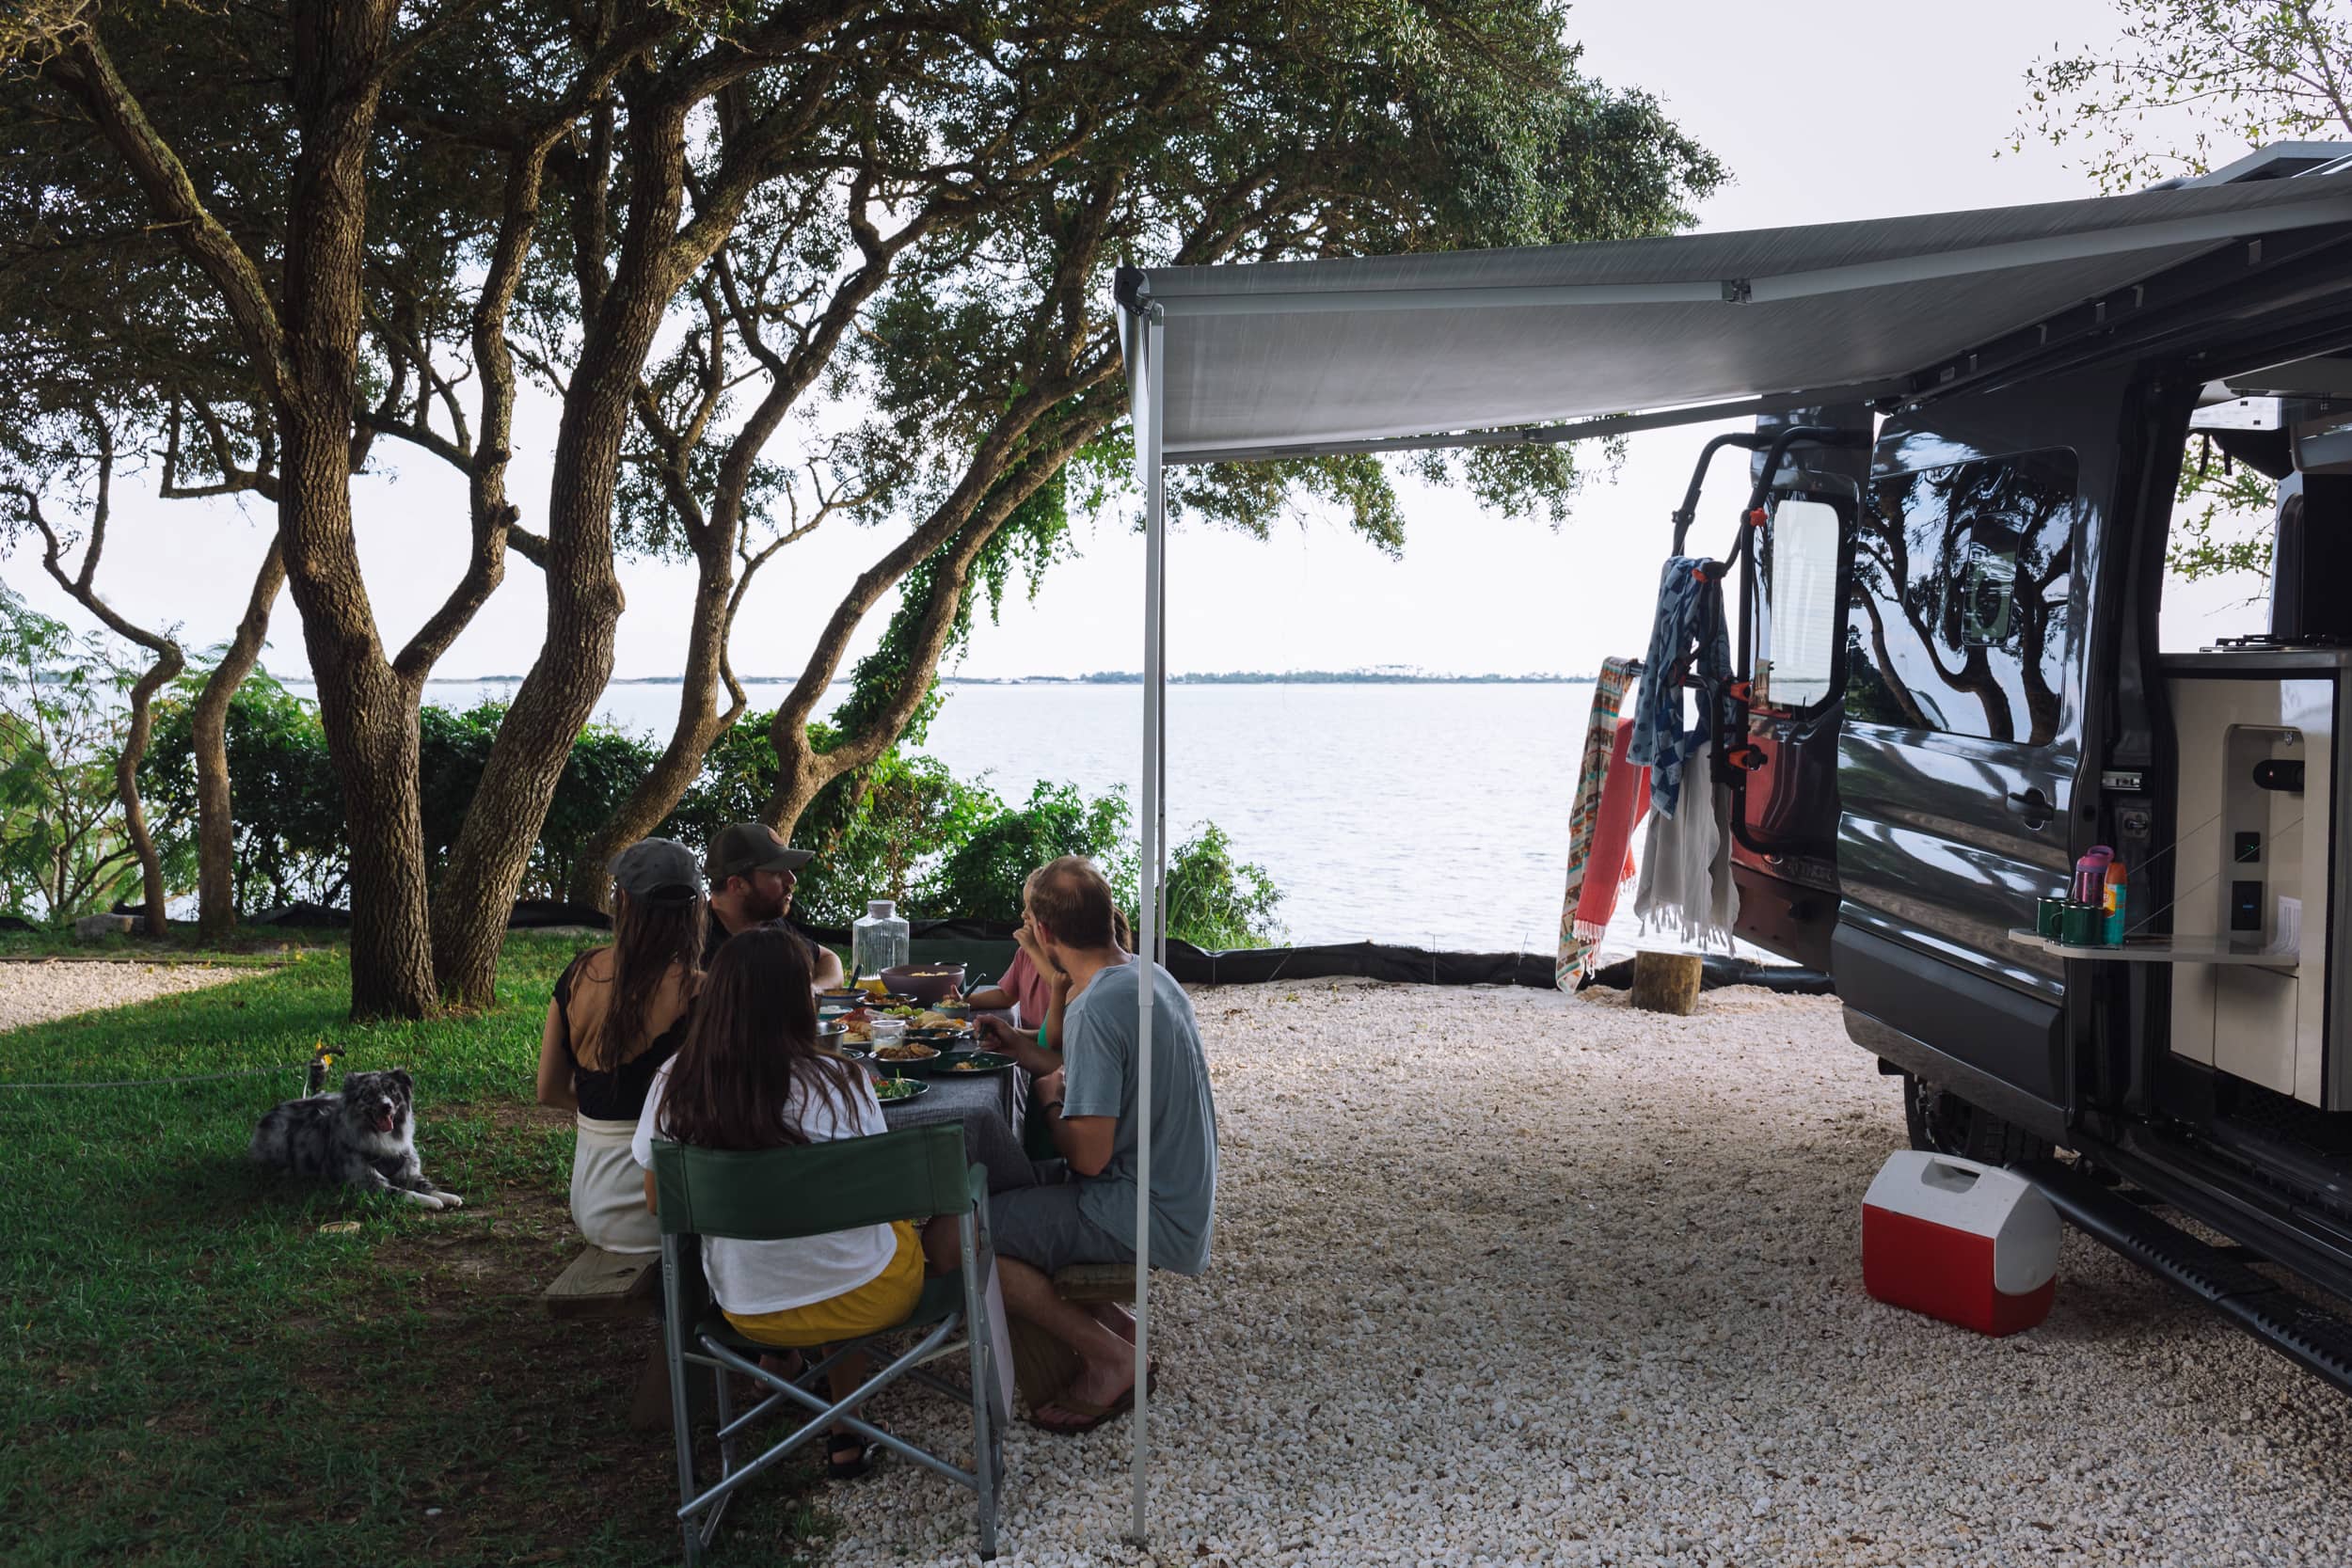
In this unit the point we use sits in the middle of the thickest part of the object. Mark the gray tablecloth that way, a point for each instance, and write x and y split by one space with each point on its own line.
991 1106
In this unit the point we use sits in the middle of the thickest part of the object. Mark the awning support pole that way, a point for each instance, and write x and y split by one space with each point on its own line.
1151 909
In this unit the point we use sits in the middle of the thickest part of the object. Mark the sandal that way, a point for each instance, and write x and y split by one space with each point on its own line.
1090 1416
848 1456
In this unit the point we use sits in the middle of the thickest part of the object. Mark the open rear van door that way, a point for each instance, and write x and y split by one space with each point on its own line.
1962 740
1792 635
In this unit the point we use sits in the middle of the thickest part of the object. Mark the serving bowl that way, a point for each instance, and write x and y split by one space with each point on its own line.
926 983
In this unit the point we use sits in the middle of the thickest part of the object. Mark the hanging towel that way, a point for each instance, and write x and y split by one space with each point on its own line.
1624 802
1686 893
1689 629
1600 729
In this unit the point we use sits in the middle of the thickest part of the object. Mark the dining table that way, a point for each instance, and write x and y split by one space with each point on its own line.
992 1108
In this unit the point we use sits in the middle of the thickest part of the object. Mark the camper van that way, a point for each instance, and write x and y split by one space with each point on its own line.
1949 610
1964 433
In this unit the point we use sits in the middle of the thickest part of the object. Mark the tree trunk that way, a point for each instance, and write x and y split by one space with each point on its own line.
535 741
216 819
700 723
159 675
992 487
302 334
367 709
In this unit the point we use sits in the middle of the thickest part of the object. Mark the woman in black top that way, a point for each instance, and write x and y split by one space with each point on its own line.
618 1013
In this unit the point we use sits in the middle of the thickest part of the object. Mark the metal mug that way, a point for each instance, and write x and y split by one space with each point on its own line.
2083 925
2049 917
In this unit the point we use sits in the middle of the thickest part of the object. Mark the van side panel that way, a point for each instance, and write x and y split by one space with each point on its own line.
2010 1038
1961 758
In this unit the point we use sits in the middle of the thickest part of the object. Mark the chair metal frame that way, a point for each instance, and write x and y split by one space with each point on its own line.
921 1168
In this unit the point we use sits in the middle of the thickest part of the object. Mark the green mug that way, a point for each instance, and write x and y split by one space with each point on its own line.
2083 925
2049 917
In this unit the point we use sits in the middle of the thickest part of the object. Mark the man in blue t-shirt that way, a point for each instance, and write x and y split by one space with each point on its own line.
1090 1108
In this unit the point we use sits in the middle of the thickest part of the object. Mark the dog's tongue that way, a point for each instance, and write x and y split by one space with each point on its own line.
383 1121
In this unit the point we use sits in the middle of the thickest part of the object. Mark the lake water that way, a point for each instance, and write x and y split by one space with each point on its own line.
1436 815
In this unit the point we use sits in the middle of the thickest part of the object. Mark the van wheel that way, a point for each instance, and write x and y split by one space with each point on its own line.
1943 1123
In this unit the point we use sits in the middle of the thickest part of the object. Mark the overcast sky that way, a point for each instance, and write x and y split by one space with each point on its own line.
1862 110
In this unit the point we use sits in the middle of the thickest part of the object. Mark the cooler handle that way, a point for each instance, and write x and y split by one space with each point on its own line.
1947 1176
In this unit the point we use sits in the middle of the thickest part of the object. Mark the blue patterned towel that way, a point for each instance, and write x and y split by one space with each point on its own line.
1690 621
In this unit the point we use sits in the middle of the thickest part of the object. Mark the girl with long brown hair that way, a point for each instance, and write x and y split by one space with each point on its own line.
753 1074
618 1014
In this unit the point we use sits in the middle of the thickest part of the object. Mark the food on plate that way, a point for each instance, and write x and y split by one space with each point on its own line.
904 1052
931 1017
889 1090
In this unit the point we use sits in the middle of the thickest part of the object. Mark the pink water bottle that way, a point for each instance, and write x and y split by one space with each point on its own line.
2090 874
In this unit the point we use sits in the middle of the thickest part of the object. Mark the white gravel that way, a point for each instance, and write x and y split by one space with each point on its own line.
36 993
1505 1277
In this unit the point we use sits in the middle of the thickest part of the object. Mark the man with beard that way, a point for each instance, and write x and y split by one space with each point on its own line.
751 874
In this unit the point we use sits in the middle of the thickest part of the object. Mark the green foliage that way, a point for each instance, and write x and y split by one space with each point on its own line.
2193 84
981 878
904 828
287 808
878 835
876 831
2222 521
1031 540
63 850
1215 901
454 747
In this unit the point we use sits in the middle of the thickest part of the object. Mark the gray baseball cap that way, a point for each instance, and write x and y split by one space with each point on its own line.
741 849
653 866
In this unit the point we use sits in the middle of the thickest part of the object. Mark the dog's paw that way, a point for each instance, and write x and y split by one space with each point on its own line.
449 1200
425 1200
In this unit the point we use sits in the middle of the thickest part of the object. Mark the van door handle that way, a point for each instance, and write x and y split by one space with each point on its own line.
2034 807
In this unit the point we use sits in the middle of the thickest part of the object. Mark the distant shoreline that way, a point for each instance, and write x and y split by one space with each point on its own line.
1106 677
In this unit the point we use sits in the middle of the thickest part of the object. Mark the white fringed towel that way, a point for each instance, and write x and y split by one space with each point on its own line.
1686 893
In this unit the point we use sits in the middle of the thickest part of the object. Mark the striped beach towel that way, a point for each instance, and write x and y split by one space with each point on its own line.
1601 733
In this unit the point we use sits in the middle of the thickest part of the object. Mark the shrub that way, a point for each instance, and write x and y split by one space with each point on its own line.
1215 901
63 850
287 803
981 876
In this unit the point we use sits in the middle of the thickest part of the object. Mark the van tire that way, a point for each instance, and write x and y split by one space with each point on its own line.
1941 1122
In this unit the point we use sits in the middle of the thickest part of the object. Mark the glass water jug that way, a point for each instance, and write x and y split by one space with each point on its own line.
879 940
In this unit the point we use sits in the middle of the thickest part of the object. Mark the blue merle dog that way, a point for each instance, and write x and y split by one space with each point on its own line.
363 1137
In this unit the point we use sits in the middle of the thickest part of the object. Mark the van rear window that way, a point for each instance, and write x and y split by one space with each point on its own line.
1963 580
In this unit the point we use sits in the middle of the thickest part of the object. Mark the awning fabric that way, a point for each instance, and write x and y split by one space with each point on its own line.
1288 357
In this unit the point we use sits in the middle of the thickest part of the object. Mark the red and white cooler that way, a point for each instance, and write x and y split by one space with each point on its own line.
1973 1244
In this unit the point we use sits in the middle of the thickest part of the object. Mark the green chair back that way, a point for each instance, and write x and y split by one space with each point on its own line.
773 1194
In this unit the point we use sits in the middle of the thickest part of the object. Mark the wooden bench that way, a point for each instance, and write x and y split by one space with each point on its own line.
1043 1366
616 1285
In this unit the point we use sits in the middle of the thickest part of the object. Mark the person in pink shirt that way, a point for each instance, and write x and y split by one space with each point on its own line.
1027 984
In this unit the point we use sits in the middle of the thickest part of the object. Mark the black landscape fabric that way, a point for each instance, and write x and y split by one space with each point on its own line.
985 947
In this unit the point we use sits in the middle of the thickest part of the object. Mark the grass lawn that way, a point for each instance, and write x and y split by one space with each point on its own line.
195 1371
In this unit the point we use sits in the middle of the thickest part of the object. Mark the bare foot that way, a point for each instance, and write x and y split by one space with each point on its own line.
1101 1385
1115 1318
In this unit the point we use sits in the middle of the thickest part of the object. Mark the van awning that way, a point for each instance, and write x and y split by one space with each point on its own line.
1291 358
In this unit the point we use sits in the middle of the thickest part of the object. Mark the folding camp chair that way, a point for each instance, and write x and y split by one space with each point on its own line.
812 1190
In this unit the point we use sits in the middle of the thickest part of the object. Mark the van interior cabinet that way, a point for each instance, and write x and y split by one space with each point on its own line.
2257 825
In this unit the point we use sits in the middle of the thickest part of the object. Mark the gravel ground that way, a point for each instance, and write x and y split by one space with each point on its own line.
36 993
1505 1277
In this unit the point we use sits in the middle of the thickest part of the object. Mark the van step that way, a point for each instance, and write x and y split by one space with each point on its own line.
2318 1339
